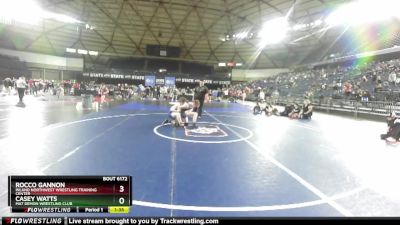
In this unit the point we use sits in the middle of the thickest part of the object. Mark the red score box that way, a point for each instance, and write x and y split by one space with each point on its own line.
121 188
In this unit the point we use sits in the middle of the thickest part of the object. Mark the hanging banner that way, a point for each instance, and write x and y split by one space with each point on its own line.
150 81
169 81
160 81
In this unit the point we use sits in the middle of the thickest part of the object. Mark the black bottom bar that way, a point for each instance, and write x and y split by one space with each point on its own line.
185 221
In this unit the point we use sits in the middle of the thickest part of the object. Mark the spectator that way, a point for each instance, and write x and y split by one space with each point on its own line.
244 96
103 91
7 85
392 77
21 86
60 91
261 96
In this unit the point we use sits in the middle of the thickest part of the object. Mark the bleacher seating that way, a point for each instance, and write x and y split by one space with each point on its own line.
363 79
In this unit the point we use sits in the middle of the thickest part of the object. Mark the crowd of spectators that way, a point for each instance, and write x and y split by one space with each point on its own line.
368 81
39 87
378 80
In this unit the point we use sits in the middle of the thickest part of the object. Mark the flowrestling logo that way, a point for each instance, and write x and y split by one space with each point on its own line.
205 131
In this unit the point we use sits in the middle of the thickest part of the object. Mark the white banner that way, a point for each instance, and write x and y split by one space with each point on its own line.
159 81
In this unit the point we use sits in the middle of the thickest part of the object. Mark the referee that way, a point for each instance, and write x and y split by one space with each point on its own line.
201 94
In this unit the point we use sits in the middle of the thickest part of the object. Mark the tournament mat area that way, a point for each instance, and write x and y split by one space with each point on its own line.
235 164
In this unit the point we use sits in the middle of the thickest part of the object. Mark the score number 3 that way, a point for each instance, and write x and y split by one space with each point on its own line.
121 189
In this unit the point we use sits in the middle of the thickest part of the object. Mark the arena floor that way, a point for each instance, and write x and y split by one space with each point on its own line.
248 166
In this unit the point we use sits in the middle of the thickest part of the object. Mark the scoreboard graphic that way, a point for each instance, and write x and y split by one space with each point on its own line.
70 194
78 194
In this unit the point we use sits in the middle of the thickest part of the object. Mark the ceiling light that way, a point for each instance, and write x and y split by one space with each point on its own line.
317 22
60 17
95 53
71 50
273 31
29 12
363 12
23 11
83 52
242 35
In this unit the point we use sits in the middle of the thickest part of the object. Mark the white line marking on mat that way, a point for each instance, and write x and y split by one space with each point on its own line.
292 174
246 208
80 146
155 130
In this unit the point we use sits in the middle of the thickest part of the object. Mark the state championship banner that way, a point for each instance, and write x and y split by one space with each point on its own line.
150 81
169 81
113 76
